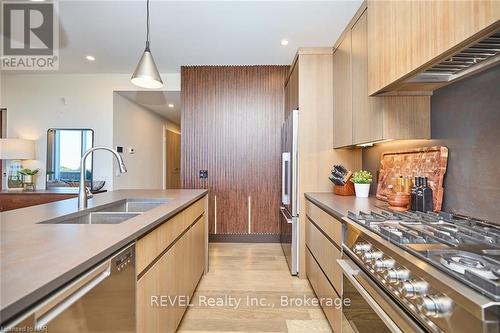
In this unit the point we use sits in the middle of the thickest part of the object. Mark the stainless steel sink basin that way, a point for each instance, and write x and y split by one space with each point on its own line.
93 218
112 213
133 205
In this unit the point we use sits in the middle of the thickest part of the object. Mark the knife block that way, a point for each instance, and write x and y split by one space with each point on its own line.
346 190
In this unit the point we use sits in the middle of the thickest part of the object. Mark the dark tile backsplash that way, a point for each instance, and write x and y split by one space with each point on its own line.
465 117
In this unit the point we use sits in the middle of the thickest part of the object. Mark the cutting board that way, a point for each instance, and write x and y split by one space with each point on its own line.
428 162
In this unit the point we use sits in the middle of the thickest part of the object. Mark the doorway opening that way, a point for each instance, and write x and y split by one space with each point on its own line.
147 129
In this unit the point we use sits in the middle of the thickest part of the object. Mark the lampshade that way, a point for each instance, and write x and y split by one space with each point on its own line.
146 74
17 149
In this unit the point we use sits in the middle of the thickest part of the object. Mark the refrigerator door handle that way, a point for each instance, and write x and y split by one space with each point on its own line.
285 178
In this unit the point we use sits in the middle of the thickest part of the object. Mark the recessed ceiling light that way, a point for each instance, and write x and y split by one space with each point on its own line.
37 0
284 42
90 58
170 105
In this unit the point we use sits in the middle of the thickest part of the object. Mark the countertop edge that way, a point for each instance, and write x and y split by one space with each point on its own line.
23 304
338 215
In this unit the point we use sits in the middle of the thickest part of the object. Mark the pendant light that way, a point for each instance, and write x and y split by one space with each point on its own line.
146 73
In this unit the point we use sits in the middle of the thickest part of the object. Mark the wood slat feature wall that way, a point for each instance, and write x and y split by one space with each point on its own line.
231 126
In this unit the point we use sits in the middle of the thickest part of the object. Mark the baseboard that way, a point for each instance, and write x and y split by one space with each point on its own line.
249 238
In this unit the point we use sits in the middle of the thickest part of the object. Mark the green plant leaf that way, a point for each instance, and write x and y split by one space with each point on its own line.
362 177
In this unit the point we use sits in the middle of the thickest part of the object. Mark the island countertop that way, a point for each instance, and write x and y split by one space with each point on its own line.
36 259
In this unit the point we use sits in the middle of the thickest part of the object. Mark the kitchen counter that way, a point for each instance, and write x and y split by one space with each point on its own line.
338 206
36 259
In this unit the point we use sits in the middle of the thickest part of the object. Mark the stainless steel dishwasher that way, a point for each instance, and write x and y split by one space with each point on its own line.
101 300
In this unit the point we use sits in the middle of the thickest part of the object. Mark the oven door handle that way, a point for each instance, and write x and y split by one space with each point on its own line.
350 272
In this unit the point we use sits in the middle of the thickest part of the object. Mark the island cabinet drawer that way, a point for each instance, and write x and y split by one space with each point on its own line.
326 254
324 290
330 225
150 246
165 288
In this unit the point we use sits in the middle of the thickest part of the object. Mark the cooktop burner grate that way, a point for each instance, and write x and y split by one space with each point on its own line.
476 270
472 247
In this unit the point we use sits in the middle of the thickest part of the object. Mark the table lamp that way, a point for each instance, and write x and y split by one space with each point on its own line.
16 150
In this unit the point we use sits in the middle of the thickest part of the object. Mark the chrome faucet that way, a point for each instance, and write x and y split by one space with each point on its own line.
84 193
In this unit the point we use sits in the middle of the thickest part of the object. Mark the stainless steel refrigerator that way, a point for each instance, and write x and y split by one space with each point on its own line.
289 215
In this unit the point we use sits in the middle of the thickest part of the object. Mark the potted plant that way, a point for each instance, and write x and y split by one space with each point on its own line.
362 180
28 178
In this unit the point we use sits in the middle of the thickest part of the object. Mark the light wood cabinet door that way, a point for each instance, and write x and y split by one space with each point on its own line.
366 111
326 254
408 36
164 290
389 33
381 117
151 245
323 289
292 91
438 26
342 94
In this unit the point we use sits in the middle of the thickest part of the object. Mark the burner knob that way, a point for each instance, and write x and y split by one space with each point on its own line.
362 247
434 306
373 255
413 288
397 274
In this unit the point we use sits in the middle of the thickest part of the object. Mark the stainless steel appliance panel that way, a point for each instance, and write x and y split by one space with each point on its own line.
102 300
289 243
370 309
290 189
290 163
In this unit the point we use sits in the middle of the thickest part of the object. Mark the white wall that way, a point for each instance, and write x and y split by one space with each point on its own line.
138 128
36 102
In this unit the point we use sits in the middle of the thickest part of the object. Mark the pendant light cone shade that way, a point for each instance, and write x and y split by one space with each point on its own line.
146 73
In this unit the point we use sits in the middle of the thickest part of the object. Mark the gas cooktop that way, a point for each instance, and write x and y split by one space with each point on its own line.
465 248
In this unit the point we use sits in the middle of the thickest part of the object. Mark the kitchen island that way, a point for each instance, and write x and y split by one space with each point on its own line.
38 258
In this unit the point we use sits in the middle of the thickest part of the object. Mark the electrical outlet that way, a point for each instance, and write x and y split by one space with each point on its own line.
131 150
203 174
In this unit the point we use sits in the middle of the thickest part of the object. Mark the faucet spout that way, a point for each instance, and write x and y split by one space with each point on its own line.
82 193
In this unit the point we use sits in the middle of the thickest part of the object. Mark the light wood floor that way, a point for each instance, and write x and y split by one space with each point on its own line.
258 271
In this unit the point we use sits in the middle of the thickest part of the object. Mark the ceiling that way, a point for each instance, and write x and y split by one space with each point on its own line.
157 101
194 32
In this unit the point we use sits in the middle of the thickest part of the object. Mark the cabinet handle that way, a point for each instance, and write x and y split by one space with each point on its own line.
215 214
249 214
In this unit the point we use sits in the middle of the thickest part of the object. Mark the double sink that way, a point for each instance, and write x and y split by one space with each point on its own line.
112 213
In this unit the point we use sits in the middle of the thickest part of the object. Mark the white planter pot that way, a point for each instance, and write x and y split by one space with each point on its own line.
362 190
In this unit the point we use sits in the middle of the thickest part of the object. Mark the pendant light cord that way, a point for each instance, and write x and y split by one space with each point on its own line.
147 25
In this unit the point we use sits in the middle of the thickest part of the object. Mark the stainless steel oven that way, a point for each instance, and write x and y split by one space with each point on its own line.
367 308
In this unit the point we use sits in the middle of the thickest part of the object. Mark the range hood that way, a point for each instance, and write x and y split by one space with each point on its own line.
484 53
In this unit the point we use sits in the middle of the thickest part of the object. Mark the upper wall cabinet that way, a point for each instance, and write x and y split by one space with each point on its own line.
408 37
360 119
342 93
292 91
